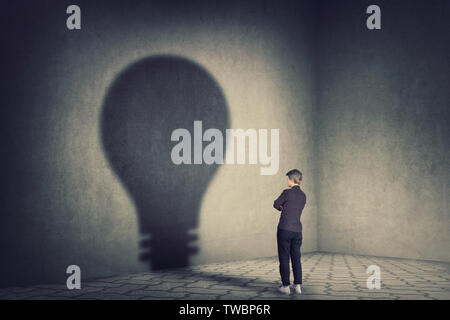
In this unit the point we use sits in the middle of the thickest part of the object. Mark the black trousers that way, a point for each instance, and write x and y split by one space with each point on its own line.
289 243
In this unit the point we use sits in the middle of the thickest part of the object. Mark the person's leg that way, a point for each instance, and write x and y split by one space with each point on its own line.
296 243
283 243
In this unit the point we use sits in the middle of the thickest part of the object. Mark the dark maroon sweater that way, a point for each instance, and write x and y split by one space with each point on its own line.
293 201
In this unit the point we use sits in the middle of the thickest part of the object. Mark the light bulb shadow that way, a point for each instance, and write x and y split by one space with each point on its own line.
145 103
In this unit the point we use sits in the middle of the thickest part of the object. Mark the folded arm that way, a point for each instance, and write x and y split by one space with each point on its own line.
279 203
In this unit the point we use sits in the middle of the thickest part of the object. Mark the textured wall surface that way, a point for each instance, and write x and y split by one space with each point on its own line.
65 203
383 133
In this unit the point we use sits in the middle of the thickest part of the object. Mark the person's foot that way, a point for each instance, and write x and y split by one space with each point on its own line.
284 289
298 289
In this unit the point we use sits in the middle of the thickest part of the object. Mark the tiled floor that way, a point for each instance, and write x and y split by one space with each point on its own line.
325 276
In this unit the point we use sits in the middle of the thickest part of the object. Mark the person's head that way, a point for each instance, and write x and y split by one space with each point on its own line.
294 177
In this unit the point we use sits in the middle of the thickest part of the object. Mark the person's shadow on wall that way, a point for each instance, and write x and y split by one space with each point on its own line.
143 106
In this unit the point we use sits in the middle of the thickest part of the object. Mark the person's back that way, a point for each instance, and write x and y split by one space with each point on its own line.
292 201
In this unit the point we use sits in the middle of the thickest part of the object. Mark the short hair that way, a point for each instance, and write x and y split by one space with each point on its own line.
295 175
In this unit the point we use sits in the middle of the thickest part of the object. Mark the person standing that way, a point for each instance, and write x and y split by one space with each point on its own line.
289 231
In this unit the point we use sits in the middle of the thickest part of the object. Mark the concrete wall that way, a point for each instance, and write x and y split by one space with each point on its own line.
383 132
64 202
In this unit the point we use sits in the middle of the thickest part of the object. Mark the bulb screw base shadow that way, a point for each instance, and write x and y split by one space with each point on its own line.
164 252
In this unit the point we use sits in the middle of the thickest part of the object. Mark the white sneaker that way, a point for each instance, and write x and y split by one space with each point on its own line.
284 290
298 289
